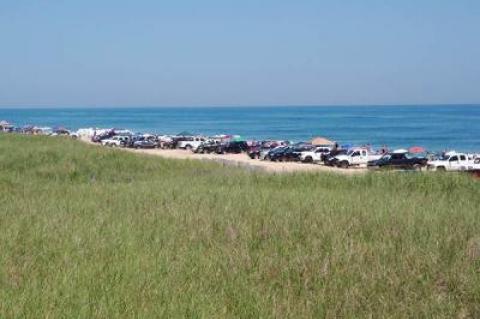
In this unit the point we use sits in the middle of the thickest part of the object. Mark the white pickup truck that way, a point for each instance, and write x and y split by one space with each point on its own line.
190 143
115 141
452 161
356 157
315 155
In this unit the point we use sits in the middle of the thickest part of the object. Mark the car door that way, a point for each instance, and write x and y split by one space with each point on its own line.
363 157
454 162
463 162
355 158
396 161
320 153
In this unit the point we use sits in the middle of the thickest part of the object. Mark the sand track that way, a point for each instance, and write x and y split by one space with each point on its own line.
242 160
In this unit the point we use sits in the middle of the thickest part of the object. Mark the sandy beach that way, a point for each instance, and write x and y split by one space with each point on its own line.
242 160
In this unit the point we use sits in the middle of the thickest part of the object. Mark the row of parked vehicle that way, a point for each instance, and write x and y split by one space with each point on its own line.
191 143
363 156
330 154
318 151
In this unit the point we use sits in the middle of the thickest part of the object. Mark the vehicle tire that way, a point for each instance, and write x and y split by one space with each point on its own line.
308 159
441 169
343 164
188 147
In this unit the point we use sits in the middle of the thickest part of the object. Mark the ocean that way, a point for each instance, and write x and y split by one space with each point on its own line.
436 127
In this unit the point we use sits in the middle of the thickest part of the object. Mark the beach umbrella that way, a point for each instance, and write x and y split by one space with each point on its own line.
416 149
237 138
321 141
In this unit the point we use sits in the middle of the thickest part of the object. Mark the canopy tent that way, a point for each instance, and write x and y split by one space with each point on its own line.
4 123
5 126
321 141
121 131
185 133
237 138
302 144
60 129
416 149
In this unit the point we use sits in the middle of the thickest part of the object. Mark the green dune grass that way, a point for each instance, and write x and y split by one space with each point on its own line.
89 232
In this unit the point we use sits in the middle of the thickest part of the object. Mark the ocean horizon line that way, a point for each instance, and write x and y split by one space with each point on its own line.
46 107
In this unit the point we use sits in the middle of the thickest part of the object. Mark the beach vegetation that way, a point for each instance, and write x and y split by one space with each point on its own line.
92 232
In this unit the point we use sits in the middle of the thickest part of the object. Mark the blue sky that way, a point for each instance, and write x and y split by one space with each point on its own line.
212 52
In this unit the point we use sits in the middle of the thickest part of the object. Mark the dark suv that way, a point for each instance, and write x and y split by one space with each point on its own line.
144 142
207 147
290 153
399 161
232 147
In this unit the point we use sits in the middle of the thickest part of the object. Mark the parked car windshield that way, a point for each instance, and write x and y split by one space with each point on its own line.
354 153
397 156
